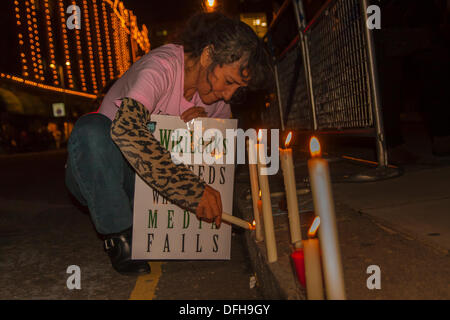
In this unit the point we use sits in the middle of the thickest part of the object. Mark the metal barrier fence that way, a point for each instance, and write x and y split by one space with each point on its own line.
326 77
340 75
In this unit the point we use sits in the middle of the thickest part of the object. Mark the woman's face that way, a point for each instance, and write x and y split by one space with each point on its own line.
223 82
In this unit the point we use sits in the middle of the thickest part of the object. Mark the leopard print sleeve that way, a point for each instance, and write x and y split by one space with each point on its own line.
151 160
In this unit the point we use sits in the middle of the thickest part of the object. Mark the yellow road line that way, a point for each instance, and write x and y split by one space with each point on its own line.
146 285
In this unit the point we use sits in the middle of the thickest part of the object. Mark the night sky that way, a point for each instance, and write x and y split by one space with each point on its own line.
172 15
160 12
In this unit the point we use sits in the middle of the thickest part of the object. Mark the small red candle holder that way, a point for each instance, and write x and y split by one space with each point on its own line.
299 262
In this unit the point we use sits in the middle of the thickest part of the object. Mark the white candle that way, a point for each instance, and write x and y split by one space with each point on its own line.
237 221
253 169
266 207
259 203
287 165
324 208
313 268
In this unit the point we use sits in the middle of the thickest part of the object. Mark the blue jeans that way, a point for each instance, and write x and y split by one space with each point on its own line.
99 176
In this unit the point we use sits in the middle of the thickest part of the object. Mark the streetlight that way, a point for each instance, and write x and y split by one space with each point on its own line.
210 4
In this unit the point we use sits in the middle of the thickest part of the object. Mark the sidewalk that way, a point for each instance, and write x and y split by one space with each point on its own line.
416 204
402 225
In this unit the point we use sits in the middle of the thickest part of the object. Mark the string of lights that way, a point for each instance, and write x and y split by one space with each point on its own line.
51 46
36 57
46 87
89 43
68 66
80 56
125 52
57 58
99 43
117 46
23 59
108 42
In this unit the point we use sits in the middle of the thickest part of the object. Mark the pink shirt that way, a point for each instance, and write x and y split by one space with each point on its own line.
157 81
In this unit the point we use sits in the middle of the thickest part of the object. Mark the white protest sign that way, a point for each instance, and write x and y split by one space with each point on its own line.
162 230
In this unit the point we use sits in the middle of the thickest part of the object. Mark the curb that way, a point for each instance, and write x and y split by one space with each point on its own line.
273 279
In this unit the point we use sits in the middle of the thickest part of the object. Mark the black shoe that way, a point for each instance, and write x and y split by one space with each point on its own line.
118 247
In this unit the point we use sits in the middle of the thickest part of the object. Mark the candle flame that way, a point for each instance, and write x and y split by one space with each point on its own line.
314 147
288 139
217 155
314 226
254 223
260 194
259 135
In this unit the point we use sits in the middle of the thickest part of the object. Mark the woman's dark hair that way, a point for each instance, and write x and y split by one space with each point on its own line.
230 40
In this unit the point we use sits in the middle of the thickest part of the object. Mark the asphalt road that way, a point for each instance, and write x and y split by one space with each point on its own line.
43 232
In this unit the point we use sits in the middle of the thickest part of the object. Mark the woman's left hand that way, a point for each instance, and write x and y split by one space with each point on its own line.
192 113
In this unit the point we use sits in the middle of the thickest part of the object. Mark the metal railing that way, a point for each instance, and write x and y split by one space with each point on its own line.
326 76
340 76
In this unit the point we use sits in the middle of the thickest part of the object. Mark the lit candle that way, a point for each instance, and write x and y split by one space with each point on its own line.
313 268
236 221
324 208
260 220
259 202
269 231
252 166
287 165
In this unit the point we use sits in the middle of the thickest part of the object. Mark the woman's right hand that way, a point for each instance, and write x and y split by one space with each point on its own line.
210 206
192 113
